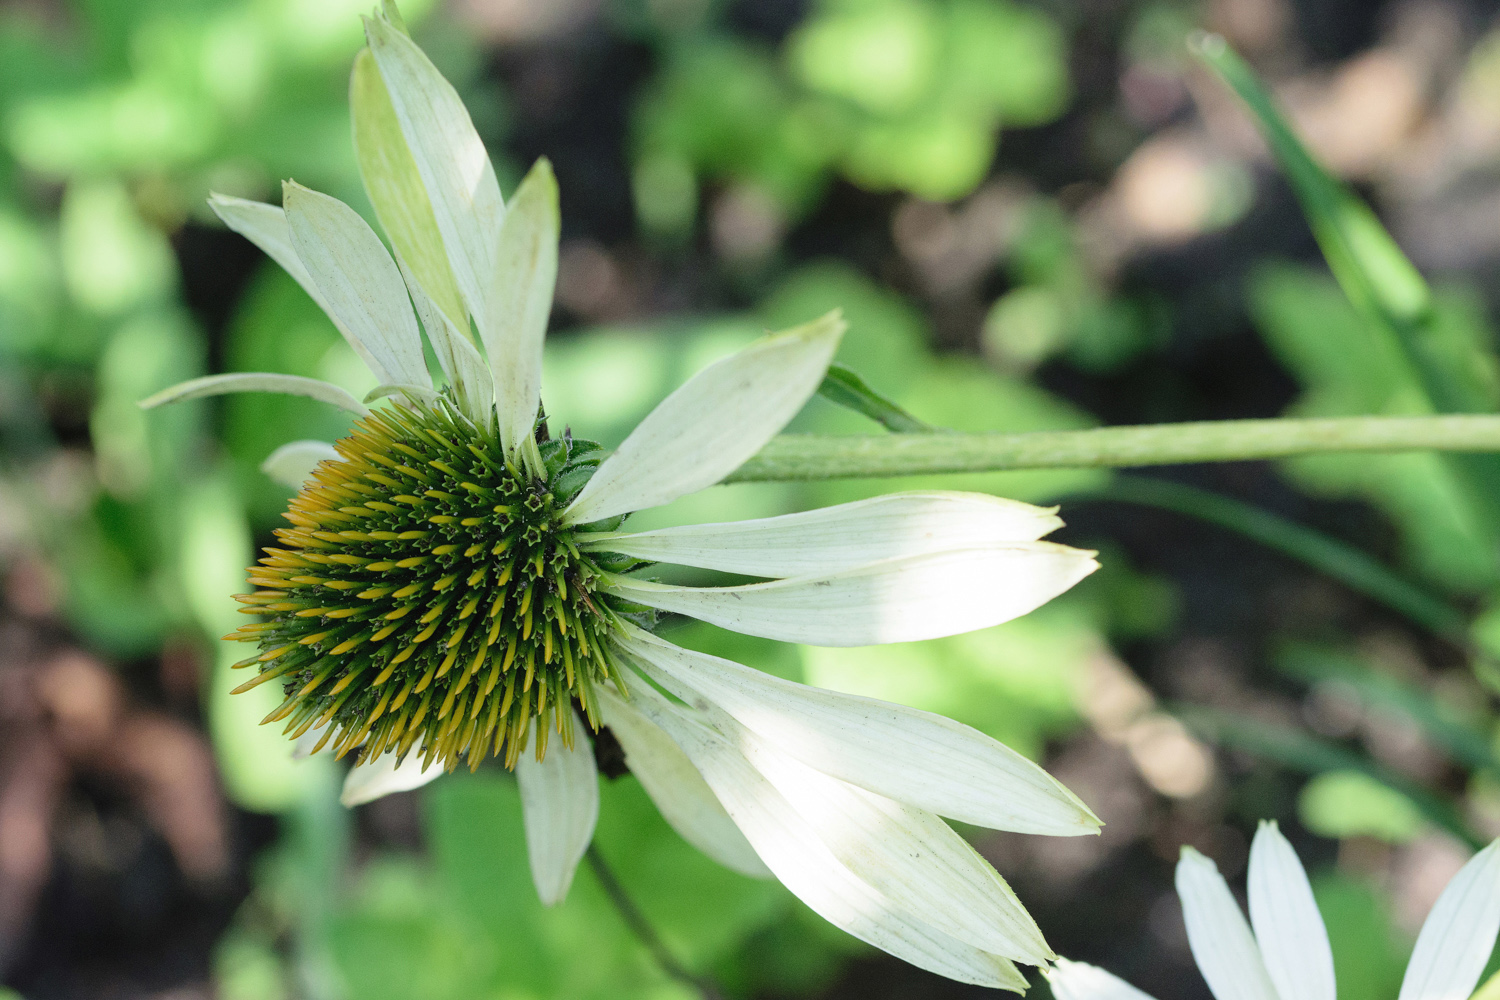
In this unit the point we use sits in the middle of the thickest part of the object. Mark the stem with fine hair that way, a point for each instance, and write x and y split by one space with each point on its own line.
642 929
805 457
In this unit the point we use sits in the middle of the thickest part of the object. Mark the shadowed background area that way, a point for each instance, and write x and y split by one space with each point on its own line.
1036 214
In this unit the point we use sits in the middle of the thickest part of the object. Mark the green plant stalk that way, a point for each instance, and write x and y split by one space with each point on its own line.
809 457
1353 568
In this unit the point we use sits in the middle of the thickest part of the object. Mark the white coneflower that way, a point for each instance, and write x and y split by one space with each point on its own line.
455 584
1286 955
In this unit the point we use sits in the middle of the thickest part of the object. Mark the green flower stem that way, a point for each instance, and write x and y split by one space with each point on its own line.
806 457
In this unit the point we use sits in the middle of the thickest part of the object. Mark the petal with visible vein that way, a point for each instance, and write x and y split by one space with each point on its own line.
450 158
560 805
713 423
908 855
896 600
1288 928
844 537
520 302
804 864
1220 938
293 463
467 372
371 780
395 188
679 791
359 281
919 758
292 385
1459 934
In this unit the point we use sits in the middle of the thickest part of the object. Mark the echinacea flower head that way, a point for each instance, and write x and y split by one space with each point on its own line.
457 584
1282 953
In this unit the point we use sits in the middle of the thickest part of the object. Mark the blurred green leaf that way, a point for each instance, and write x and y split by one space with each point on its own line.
1340 804
1369 955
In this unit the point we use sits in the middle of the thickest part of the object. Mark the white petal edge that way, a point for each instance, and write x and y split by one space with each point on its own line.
678 790
560 805
896 600
293 463
374 779
843 537
804 864
714 422
908 855
1081 981
915 757
520 301
467 372
359 281
1288 928
291 385
1221 941
450 157
1458 935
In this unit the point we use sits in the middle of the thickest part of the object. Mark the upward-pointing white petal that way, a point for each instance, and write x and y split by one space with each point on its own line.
896 600
1081 981
560 805
1288 928
713 423
1459 934
844 537
919 758
793 850
1222 944
359 281
450 158
467 372
679 791
520 302
293 463
373 779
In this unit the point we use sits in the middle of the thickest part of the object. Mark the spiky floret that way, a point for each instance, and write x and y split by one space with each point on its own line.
427 595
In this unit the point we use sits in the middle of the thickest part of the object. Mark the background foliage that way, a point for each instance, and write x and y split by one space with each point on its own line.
1035 215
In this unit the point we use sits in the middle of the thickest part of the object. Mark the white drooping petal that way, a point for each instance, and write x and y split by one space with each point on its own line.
1081 981
1459 934
467 373
293 385
396 191
359 281
450 158
560 805
844 537
714 422
1222 944
896 600
520 300
908 855
1288 928
919 758
372 779
293 463
679 791
804 864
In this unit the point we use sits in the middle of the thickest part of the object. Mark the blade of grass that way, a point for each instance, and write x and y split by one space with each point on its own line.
1372 270
1312 664
1298 751
1353 568
845 388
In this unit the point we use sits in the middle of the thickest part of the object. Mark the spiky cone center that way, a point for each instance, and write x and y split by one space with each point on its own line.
428 597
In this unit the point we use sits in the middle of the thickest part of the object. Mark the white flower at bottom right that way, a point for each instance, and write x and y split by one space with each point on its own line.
1282 953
